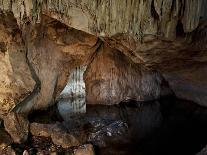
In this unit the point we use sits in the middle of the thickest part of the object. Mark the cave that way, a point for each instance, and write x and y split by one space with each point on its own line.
103 77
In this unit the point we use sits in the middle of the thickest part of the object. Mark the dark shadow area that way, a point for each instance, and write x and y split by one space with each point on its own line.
179 29
183 130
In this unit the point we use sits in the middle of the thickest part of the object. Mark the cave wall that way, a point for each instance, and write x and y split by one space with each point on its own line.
16 81
139 40
54 50
105 17
112 77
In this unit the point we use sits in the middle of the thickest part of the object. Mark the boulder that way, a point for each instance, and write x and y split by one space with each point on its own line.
57 132
64 139
44 130
17 126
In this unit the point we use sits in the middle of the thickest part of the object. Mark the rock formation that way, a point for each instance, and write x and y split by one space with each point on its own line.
42 48
136 50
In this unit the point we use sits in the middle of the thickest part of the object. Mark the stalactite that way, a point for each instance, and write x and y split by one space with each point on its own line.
107 17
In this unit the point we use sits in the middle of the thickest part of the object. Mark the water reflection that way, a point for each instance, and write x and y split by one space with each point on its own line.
72 98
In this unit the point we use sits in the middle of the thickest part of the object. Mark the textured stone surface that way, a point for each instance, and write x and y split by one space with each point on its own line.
15 78
86 149
17 126
54 50
158 34
112 78
57 133
106 17
64 139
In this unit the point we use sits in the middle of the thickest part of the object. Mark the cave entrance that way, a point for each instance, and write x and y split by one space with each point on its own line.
72 98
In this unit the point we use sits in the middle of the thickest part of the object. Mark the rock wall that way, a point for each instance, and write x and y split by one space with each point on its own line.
53 52
16 81
112 77
110 17
140 37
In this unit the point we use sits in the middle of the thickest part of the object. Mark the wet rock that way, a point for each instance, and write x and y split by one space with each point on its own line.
17 126
104 134
86 149
57 132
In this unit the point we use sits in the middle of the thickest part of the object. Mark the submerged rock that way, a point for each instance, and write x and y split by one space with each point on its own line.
86 149
17 126
56 132
111 133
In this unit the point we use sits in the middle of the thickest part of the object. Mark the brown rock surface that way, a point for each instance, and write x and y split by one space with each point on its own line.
45 130
86 149
41 49
15 78
17 126
112 77
64 139
53 51
108 18
57 133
